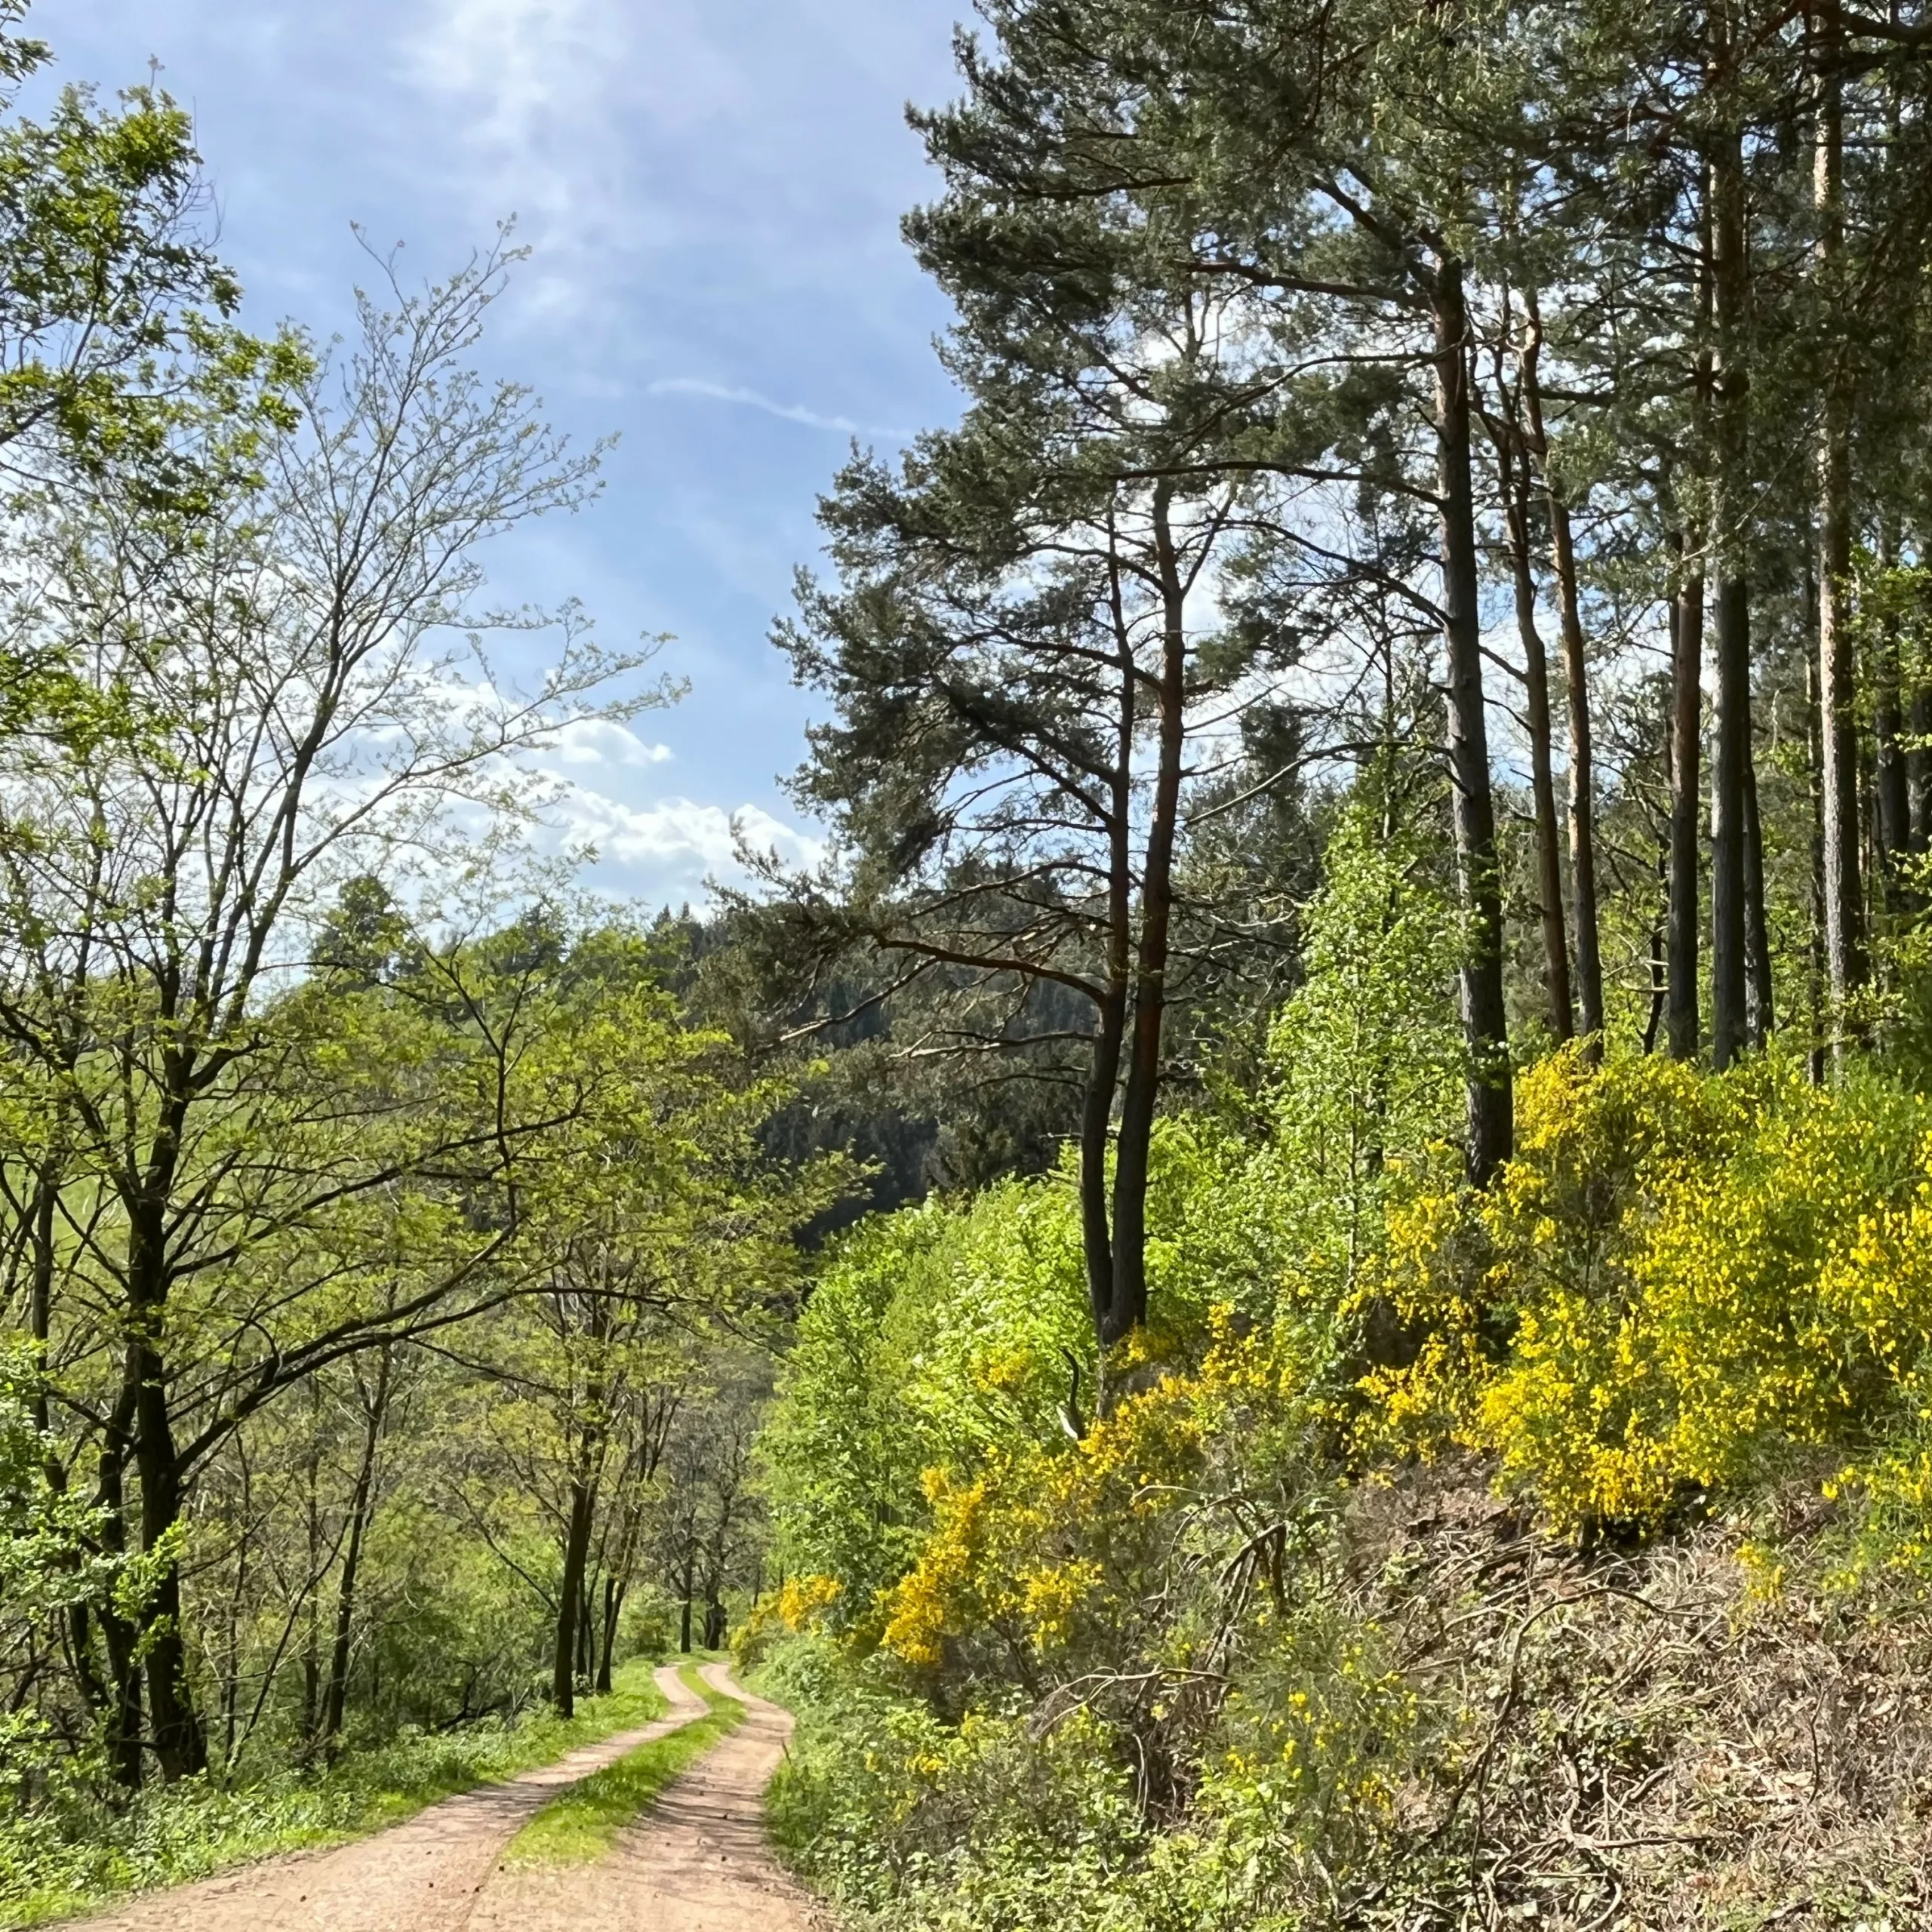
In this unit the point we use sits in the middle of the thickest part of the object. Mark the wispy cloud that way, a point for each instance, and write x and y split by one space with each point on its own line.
789 412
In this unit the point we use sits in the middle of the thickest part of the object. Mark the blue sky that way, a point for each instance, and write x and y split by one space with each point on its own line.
711 190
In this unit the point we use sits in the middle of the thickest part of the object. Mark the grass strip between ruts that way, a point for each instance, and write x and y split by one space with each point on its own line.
581 1823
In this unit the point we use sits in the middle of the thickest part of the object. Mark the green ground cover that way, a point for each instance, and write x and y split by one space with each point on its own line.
582 1823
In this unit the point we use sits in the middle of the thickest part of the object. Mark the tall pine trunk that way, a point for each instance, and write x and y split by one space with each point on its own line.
1581 799
1759 1018
1844 932
1110 1020
1687 709
1729 542
1542 783
1472 805
1128 1308
1894 808
1583 778
1815 765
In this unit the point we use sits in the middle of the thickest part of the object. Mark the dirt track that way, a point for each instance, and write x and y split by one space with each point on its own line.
423 1875
697 1861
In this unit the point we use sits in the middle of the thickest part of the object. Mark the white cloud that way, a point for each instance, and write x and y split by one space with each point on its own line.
601 741
670 849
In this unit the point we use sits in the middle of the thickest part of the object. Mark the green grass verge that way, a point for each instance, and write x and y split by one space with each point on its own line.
59 1863
582 1823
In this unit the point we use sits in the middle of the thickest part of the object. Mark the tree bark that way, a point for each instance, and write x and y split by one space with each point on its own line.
1128 1308
1759 1019
569 1592
1815 765
1918 768
1729 538
1583 781
362 1509
1110 1022
309 1602
1687 708
1473 810
1542 783
1894 827
1581 799
613 1602
180 1748
1844 930
119 1634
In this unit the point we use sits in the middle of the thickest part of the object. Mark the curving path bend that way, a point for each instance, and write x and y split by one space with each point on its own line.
698 1861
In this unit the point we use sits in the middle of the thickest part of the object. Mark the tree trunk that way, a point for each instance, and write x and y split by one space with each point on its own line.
1758 1017
613 1602
1576 680
1729 538
1484 1025
42 1221
570 1592
361 1509
1815 765
1110 1022
1844 930
119 1634
1659 958
1583 781
1894 813
1687 708
312 1645
179 1746
1542 783
1128 1308
1919 768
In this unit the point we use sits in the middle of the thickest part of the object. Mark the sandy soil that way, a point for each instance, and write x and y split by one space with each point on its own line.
697 1861
423 1875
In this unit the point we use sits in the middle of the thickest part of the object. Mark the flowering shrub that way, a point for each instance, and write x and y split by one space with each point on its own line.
1677 1282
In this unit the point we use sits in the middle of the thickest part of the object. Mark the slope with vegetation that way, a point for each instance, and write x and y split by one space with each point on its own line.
1443 1443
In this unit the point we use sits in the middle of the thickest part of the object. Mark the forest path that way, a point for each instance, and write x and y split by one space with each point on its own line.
423 1876
698 1861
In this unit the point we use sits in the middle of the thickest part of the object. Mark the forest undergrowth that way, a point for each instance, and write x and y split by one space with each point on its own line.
1634 1739
1443 1558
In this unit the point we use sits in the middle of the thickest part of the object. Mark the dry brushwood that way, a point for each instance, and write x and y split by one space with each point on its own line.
1649 1741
